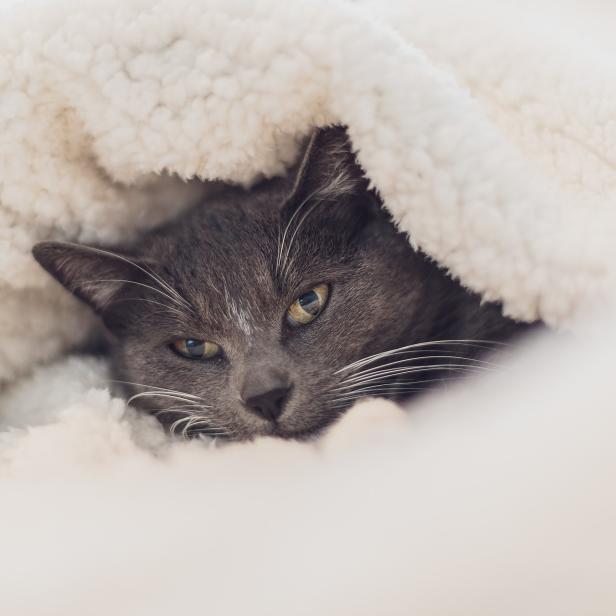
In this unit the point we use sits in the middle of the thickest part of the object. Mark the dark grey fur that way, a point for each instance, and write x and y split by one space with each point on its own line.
222 258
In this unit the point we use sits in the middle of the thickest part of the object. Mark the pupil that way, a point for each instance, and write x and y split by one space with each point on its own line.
310 302
195 347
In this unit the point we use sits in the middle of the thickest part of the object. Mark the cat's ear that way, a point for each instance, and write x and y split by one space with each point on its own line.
328 169
94 275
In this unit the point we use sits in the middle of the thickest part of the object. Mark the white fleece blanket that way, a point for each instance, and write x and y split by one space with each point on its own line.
490 130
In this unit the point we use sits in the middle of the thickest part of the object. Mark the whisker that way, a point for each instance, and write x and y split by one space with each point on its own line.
193 428
195 412
375 390
193 421
139 284
170 289
482 344
422 358
162 394
147 272
280 261
149 301
286 230
298 180
384 390
395 384
155 387
176 424
187 409
460 368
399 372
212 433
286 262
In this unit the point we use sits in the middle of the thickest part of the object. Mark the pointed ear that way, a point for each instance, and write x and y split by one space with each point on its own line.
94 275
328 169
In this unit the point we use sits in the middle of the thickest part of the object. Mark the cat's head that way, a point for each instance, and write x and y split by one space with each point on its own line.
246 316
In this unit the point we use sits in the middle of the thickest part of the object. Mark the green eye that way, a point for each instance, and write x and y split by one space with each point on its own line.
196 349
308 307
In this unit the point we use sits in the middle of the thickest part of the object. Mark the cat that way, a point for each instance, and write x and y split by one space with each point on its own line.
270 310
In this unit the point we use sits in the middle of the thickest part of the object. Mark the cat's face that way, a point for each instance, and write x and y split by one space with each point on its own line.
244 316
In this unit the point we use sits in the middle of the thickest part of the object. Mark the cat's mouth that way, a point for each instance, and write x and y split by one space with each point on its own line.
289 426
308 421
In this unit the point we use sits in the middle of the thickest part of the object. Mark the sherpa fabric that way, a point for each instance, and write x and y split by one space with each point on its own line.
489 128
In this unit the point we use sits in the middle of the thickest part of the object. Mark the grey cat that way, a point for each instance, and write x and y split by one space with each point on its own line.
269 311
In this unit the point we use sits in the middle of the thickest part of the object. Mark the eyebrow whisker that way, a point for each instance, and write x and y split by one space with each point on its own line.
133 282
148 272
282 257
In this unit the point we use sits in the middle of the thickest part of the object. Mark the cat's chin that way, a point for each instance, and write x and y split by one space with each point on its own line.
303 434
309 434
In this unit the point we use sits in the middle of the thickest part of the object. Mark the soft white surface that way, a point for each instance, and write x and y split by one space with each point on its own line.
475 503
489 128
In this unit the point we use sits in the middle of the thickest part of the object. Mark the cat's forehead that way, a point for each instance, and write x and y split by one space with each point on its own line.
219 231
239 258
221 259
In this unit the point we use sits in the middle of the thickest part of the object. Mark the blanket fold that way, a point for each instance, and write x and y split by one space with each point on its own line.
489 131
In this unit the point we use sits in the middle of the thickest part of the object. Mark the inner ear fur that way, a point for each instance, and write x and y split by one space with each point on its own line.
328 169
330 185
93 274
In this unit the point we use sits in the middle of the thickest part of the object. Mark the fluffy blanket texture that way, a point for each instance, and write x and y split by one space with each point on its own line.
489 129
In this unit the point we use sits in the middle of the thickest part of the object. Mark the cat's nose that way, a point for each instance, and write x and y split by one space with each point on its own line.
268 404
265 394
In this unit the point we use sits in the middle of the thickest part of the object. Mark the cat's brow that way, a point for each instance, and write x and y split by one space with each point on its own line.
238 314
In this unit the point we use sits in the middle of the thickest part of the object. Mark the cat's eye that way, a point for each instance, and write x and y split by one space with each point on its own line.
195 349
308 306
